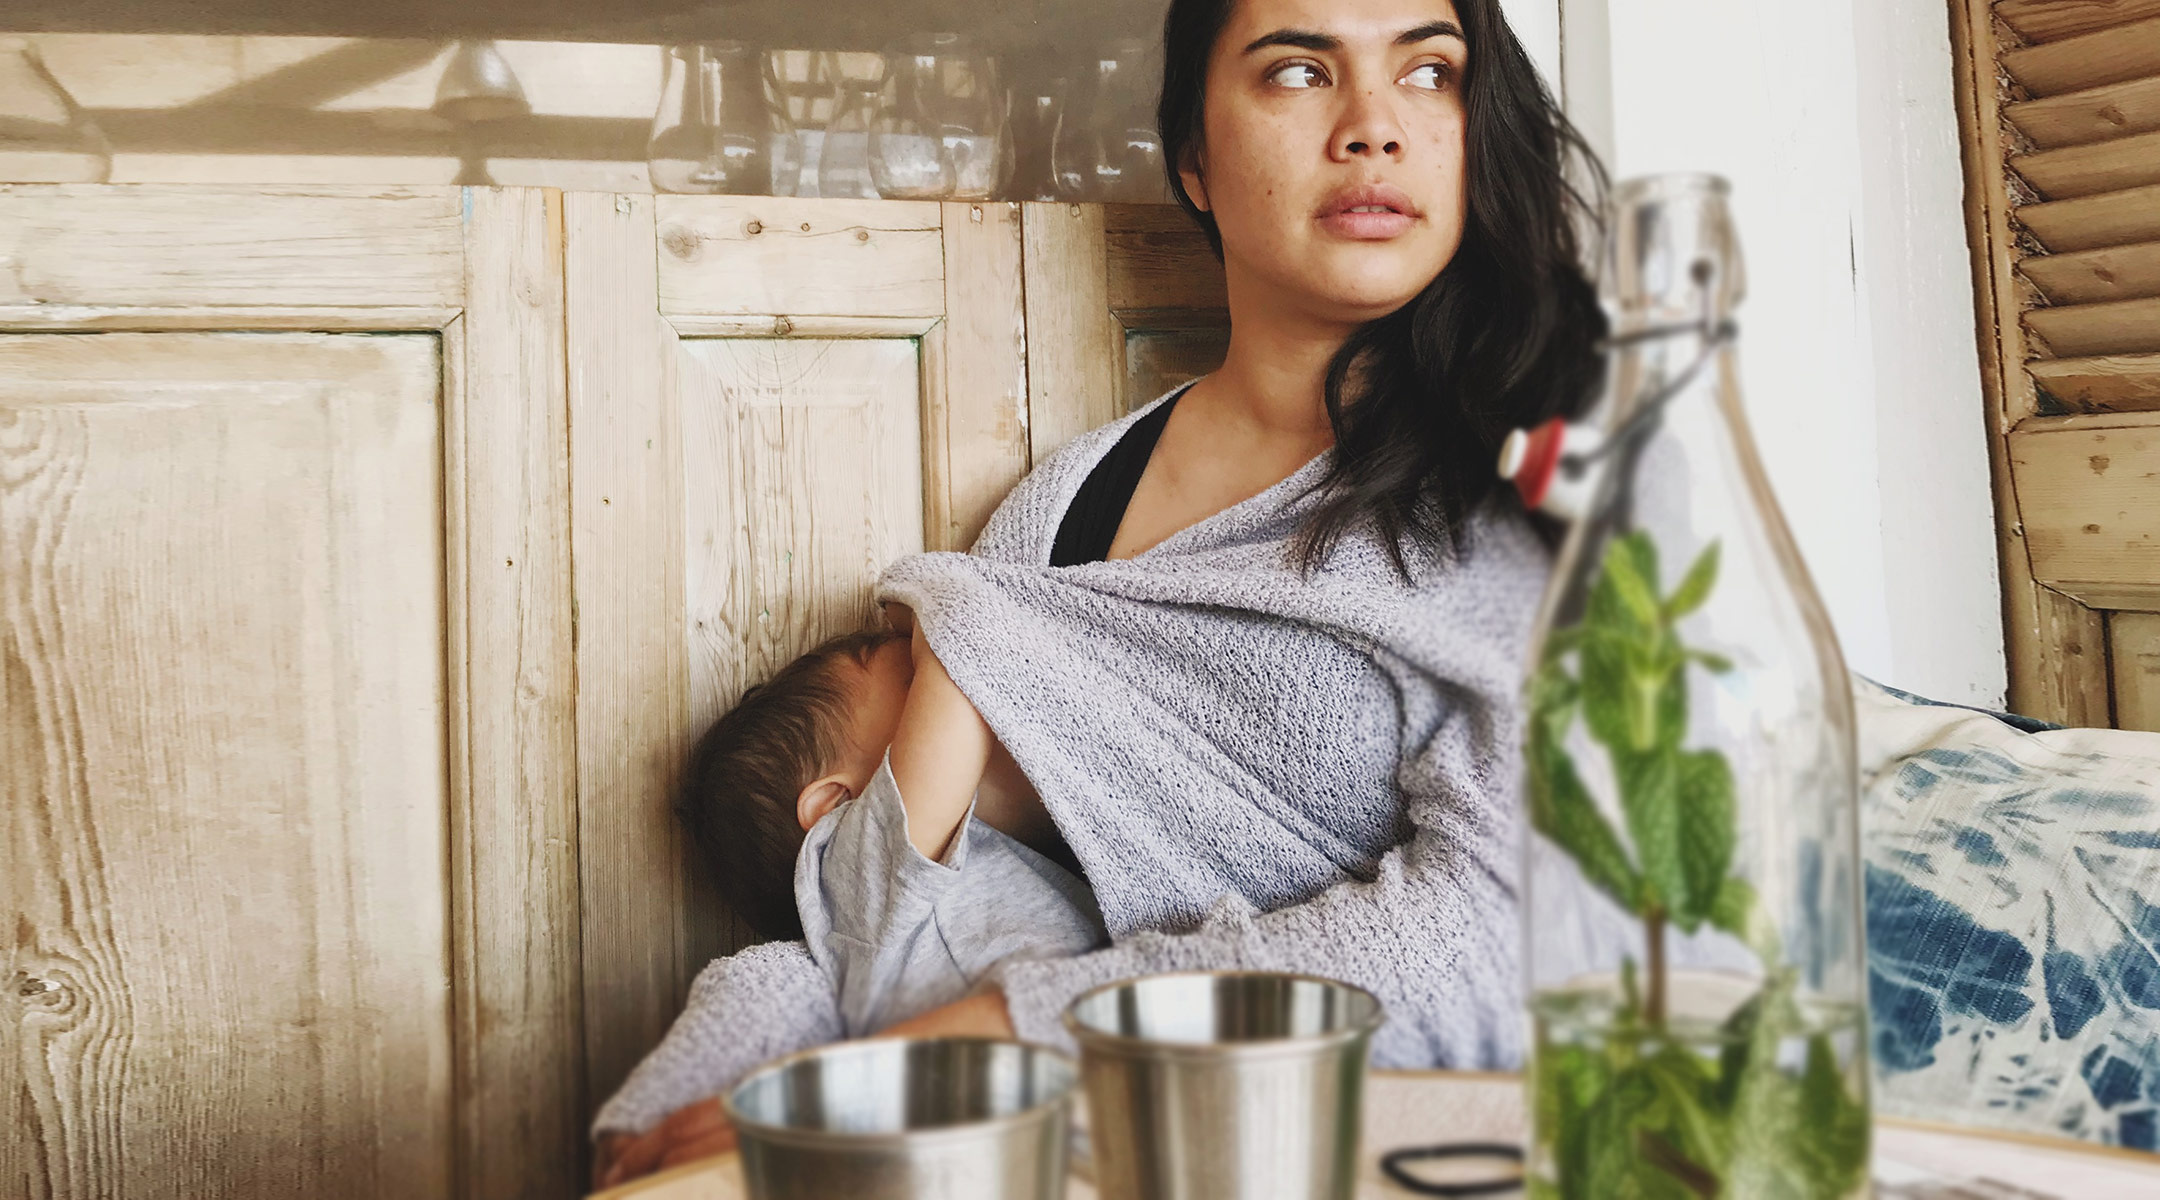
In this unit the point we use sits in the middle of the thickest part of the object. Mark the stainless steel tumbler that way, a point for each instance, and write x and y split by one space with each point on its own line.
1224 1085
929 1119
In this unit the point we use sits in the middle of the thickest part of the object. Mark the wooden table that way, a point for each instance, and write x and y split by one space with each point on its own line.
1415 1108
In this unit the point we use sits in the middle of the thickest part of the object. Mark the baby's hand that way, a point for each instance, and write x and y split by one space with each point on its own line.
697 1131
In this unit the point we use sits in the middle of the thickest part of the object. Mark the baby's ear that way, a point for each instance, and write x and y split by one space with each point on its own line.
820 796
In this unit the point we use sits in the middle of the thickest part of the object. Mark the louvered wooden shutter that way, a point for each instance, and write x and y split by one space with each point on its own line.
2059 103
2086 112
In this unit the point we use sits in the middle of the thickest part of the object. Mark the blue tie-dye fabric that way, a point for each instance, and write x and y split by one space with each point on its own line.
2013 885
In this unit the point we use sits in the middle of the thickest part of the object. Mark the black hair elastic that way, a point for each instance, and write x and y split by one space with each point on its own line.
1393 1162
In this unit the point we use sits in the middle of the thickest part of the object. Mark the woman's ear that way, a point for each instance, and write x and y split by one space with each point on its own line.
1193 172
818 797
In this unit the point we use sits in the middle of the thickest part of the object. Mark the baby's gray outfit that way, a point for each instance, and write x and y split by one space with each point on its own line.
900 935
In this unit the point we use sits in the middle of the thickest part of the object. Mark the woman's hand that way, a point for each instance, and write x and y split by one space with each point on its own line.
981 1015
691 1132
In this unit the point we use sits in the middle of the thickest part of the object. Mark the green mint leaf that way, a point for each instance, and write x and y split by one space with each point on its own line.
1650 800
1695 588
1631 569
1608 699
1671 708
1716 664
1561 809
1709 819
1835 1126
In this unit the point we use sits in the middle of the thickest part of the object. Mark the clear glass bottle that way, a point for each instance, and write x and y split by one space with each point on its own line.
1121 152
45 137
717 128
1692 907
944 129
844 163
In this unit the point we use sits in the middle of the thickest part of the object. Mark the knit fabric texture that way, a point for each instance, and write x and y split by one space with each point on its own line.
1258 768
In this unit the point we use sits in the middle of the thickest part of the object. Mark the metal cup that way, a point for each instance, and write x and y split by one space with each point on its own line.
927 1119
1224 1085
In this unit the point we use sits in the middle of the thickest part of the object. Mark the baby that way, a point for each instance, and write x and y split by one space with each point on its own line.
857 801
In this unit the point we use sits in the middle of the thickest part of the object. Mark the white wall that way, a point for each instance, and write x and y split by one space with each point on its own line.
1836 126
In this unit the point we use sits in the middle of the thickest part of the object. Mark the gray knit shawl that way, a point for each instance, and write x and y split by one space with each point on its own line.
1258 768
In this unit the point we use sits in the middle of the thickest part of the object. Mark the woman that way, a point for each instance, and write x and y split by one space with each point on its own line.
1384 180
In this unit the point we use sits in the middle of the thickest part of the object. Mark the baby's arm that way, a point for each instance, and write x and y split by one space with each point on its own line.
939 753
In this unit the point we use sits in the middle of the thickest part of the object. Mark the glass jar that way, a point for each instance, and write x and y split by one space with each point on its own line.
45 137
1037 115
718 128
1692 906
844 163
1116 153
943 129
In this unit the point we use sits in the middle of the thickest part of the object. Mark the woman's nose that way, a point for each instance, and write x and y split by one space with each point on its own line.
1368 127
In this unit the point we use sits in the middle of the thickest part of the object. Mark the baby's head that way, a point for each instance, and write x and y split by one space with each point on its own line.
794 746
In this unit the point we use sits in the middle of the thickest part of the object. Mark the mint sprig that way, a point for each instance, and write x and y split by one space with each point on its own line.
1639 1112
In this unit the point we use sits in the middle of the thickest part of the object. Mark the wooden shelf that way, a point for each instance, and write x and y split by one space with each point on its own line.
839 24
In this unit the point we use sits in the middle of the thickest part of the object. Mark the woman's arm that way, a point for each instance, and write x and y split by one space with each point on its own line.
938 754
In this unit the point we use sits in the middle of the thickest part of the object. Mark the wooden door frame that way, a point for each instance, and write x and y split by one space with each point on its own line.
2056 646
1096 273
481 268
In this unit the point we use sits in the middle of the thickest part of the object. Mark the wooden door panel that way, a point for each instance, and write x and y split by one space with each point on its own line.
802 478
770 400
222 563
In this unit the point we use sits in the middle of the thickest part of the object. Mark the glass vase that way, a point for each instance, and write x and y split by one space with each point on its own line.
844 164
943 128
718 129
1118 152
45 137
1692 907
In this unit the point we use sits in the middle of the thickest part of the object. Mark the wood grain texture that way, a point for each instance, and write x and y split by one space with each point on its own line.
1076 348
2090 496
632 664
2094 115
2111 166
755 255
124 318
2086 330
1158 259
2123 383
803 477
2089 223
2108 55
2054 20
222 764
2035 637
2097 276
976 418
2134 651
514 832
182 246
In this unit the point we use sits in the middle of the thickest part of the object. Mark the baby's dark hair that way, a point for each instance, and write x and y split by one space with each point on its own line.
738 795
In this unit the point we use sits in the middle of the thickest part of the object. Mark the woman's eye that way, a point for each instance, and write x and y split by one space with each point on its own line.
1430 76
1297 75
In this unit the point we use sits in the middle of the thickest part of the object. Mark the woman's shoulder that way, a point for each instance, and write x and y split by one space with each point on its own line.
1026 521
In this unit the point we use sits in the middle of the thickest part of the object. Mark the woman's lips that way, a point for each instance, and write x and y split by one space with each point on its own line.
1365 225
1369 213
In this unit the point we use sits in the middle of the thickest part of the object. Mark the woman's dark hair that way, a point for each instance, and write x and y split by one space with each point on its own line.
1504 337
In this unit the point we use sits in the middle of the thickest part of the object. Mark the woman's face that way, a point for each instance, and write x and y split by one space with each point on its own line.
1333 150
